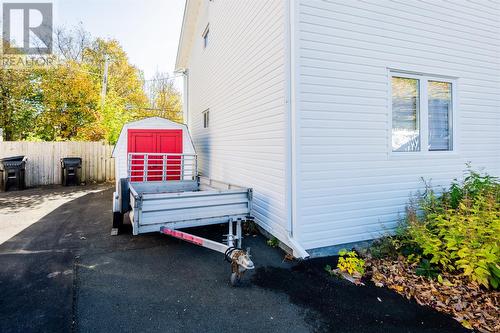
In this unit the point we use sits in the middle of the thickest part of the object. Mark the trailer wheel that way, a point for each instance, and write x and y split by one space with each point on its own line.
235 279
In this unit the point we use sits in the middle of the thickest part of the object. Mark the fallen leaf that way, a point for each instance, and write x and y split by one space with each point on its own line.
475 307
466 324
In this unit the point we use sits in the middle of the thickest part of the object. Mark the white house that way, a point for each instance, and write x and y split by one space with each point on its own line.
334 110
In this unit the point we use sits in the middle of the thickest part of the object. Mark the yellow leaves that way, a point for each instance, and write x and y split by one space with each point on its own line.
350 263
18 103
458 247
70 100
466 324
399 289
66 99
465 239
165 99
444 281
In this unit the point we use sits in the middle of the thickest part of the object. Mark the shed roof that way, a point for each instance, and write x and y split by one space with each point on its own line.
154 123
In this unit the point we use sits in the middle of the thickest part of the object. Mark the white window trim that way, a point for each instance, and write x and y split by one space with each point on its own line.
424 115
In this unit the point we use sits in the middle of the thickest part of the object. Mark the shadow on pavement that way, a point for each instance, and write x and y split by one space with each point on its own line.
16 201
36 274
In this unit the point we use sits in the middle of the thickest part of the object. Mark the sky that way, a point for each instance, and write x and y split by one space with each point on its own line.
148 30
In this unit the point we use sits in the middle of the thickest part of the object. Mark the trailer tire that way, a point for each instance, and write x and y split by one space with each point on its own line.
117 220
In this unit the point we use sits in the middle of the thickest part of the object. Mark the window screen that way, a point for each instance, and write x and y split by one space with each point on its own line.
440 108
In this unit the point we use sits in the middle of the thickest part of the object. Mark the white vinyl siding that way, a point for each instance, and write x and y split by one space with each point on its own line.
240 76
351 186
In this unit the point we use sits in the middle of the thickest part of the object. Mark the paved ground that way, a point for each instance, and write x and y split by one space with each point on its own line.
65 273
19 210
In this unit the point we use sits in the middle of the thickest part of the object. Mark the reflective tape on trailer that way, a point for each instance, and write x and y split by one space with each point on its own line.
182 235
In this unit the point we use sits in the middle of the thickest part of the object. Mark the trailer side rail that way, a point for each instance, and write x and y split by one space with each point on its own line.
159 167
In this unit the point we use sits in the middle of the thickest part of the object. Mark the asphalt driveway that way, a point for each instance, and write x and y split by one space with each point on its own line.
66 273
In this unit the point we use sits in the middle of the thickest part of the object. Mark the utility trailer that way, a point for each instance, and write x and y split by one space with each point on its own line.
162 192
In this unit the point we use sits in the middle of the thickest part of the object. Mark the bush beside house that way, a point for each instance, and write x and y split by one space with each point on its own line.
446 253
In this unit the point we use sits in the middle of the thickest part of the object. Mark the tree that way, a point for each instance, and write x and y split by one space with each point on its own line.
124 93
70 102
18 103
64 102
71 44
165 99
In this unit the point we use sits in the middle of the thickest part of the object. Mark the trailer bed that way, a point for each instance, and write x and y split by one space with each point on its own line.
186 204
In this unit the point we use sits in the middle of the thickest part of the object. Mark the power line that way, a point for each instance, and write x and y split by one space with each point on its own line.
164 79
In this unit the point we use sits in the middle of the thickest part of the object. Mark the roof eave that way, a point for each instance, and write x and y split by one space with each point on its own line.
188 29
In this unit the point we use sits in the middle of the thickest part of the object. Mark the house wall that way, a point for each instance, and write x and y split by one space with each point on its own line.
241 78
350 187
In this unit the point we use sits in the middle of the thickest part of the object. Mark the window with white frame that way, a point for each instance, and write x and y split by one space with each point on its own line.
422 113
206 118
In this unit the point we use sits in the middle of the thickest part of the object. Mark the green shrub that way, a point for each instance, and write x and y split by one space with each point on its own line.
350 262
392 245
273 242
425 268
458 231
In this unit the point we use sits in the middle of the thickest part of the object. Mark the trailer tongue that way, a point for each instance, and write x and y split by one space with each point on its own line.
239 259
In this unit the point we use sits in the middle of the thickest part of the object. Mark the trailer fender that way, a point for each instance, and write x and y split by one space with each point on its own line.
116 202
124 195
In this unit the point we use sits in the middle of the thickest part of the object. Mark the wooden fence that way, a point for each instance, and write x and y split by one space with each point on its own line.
44 160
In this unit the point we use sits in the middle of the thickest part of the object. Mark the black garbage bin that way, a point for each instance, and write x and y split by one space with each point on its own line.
12 173
71 170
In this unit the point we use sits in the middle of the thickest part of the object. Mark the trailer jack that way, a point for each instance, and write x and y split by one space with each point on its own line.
240 263
239 258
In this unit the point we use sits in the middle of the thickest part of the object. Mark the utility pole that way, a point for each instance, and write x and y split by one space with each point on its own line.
104 80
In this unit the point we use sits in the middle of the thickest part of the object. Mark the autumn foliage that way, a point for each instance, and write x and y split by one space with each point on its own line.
64 101
446 254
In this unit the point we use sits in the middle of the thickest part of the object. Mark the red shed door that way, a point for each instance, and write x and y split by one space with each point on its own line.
155 141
